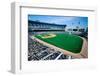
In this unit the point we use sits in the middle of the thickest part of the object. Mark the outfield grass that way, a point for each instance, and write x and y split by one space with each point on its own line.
67 42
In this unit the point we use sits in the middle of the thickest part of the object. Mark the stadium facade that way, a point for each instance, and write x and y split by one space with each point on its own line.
35 27
42 26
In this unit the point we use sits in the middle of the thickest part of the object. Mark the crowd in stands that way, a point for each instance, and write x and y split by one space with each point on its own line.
38 51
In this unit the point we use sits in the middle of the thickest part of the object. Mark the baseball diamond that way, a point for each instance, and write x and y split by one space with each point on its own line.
47 35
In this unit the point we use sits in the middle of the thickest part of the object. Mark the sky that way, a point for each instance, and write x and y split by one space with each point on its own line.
70 21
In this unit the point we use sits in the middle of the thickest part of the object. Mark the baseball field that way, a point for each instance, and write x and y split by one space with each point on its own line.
71 43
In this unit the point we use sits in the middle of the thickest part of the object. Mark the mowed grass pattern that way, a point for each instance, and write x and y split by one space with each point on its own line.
67 42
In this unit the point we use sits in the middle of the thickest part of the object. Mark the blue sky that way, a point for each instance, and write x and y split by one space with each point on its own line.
70 21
